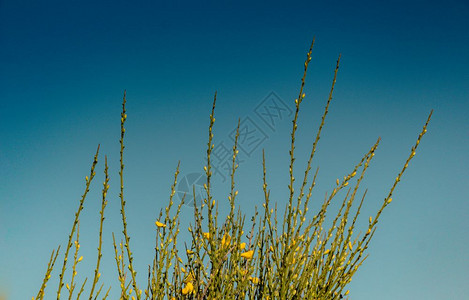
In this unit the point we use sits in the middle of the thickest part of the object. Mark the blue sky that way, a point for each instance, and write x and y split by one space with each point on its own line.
65 65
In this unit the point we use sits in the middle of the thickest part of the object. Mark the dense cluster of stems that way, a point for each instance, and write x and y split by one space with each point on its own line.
306 258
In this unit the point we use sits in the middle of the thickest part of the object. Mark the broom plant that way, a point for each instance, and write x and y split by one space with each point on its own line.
305 258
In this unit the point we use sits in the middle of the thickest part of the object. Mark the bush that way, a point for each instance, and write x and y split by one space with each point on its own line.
304 259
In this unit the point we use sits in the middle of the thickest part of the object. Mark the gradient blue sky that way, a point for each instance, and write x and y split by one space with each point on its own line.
65 65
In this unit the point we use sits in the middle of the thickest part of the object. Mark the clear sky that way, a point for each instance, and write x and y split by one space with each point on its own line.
65 64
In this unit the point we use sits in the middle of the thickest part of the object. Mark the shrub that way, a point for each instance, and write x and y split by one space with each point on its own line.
304 259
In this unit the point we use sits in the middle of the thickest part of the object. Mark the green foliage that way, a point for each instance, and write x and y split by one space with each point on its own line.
304 259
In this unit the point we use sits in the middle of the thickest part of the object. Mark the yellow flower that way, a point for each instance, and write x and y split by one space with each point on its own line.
206 235
242 246
254 280
226 240
189 288
189 252
81 257
159 224
247 254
